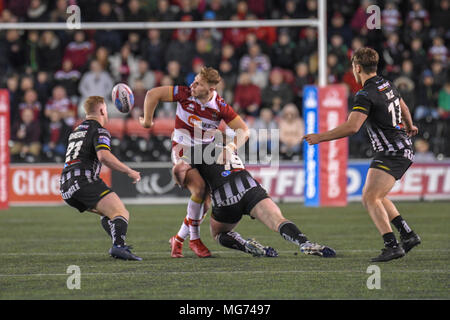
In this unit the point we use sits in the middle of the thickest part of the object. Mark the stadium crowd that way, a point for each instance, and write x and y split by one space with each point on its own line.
48 74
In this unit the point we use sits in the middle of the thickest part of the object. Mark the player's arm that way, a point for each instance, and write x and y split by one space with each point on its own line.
351 126
411 129
242 133
108 159
152 98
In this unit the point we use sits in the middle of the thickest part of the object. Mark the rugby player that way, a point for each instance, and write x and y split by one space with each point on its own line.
389 125
235 193
80 184
199 112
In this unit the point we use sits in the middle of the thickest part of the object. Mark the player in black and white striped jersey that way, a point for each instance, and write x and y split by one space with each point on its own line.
80 183
389 125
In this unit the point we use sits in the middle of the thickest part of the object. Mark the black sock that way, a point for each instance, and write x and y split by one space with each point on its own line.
232 240
290 232
390 240
119 226
401 226
106 224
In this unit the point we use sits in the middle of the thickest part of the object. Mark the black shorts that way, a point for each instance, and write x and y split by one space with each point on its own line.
395 165
82 194
233 213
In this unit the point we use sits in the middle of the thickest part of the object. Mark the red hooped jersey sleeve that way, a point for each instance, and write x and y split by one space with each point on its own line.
227 112
181 93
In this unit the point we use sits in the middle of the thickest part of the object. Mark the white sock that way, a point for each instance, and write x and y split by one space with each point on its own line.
184 229
194 215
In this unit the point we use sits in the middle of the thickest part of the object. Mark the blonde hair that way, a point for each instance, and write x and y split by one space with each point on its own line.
210 75
91 104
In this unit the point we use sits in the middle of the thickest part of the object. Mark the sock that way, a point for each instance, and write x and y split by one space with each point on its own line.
184 230
194 215
232 240
119 226
106 224
290 232
390 240
401 226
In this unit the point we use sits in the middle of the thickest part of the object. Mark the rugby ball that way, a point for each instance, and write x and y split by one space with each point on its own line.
123 97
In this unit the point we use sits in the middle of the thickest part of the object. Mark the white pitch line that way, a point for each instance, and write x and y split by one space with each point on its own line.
207 272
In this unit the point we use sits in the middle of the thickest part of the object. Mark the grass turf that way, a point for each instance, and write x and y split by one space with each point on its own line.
39 243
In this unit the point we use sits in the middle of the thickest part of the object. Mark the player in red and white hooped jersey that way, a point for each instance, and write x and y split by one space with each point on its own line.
199 112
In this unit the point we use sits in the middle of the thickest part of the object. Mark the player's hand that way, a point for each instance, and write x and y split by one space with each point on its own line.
312 138
412 131
135 175
145 124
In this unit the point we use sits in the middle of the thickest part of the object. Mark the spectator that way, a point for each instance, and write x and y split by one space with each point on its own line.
418 13
59 14
174 72
438 51
78 51
37 11
282 54
60 103
31 51
181 50
107 38
235 36
49 52
25 136
302 78
277 93
247 96
258 76
204 51
261 135
418 55
439 18
139 91
43 86
339 27
392 53
95 82
134 12
292 130
55 136
391 18
153 50
187 12
338 48
307 45
444 101
12 85
426 99
197 65
422 151
143 74
68 77
164 13
30 102
439 73
254 54
123 64
102 56
221 9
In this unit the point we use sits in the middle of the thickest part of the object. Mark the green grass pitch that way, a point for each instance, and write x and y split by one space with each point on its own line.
37 244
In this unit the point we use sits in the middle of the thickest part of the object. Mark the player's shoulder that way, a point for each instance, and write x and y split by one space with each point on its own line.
221 103
181 92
